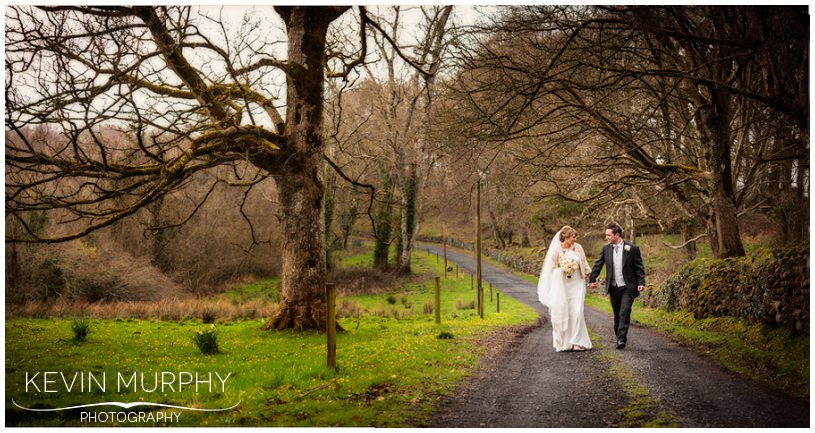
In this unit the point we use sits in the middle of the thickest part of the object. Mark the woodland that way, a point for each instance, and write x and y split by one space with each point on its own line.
162 152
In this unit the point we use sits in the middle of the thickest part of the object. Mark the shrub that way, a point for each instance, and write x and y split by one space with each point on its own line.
348 308
84 271
51 278
208 316
461 305
81 328
427 308
444 335
362 280
207 340
391 299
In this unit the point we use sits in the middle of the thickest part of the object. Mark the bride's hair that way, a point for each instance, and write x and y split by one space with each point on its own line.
567 232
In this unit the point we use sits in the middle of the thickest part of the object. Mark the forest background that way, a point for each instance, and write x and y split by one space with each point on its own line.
686 123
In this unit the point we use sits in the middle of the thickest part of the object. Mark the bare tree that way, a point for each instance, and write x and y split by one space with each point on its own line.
638 103
394 104
193 95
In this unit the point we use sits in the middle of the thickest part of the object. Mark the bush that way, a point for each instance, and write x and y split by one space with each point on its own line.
348 308
51 278
768 286
427 308
444 335
462 305
359 280
82 271
81 328
207 340
391 299
208 316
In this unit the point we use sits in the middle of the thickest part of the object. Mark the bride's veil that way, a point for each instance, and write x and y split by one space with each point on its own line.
545 281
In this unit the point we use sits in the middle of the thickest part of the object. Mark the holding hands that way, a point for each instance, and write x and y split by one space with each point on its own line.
594 286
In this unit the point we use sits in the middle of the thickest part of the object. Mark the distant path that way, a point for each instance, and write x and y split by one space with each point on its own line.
530 385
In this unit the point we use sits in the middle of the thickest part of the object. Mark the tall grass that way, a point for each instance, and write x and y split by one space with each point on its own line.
219 308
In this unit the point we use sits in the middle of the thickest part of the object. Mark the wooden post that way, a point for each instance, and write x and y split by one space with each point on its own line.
331 324
456 270
444 245
437 306
490 293
472 284
480 292
498 302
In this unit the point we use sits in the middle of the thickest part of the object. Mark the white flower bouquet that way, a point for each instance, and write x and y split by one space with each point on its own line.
568 266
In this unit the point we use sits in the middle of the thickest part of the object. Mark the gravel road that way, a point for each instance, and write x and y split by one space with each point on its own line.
652 382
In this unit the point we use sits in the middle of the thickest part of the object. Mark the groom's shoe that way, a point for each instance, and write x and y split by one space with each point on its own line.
621 344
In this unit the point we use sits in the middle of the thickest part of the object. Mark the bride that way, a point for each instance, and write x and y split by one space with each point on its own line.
562 288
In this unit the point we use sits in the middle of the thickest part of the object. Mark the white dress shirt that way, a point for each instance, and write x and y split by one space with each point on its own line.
617 254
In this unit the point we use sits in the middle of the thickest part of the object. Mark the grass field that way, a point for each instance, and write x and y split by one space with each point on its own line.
392 365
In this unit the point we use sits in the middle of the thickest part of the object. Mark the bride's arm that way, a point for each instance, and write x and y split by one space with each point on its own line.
555 262
584 263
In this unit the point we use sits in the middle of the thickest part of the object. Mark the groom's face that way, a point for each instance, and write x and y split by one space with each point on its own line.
611 237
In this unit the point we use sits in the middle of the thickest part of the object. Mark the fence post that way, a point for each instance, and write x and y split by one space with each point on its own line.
444 239
490 293
437 306
498 302
331 325
478 287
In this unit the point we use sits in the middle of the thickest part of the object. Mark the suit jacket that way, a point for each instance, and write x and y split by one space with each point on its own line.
633 269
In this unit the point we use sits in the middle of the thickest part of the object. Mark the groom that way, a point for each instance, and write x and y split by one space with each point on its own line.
625 278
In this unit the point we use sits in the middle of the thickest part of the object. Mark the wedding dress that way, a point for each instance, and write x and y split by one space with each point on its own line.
564 294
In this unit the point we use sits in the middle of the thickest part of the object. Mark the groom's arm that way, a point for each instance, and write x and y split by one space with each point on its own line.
639 269
598 266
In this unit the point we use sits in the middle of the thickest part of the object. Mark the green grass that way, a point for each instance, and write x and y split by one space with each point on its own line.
390 371
261 289
364 259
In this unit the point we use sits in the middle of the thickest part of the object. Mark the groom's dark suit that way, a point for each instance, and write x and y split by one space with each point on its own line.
622 297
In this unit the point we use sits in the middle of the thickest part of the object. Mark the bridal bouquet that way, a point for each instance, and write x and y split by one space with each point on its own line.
568 266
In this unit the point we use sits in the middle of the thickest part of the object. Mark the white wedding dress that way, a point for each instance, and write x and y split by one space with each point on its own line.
565 298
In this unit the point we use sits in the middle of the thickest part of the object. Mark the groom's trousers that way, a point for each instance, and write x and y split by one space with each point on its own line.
621 302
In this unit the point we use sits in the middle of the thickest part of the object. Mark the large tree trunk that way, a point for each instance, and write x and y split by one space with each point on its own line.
496 230
328 215
302 304
303 274
728 237
688 232
384 222
408 221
